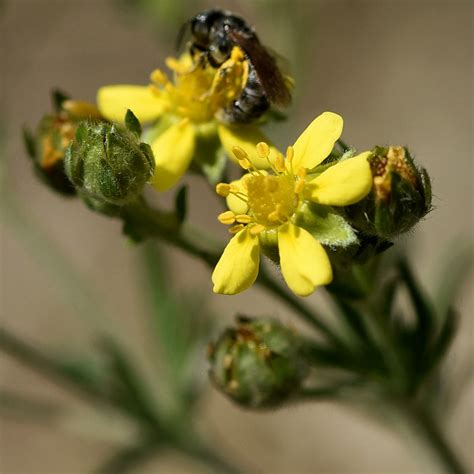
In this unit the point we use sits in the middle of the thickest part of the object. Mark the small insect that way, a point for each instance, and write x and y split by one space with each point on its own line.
214 33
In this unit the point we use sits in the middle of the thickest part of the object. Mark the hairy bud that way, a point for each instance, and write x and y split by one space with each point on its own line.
400 196
108 163
257 364
47 146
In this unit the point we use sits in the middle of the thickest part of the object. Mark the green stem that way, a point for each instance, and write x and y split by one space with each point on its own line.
425 434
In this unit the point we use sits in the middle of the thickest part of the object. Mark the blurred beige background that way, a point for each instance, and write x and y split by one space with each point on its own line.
398 72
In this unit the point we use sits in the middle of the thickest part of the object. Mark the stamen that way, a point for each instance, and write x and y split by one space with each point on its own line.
226 218
245 164
159 77
176 66
240 153
243 218
280 164
236 228
256 229
299 185
155 90
223 189
290 153
263 150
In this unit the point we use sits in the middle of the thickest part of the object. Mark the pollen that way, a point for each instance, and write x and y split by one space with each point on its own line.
271 199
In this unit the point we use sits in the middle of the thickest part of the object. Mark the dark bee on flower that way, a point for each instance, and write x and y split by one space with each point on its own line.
214 33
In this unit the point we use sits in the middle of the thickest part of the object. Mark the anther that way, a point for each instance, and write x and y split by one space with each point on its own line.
263 150
223 189
158 77
243 218
226 218
256 229
280 164
236 228
240 153
245 164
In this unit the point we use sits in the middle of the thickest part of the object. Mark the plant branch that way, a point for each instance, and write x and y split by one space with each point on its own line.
145 222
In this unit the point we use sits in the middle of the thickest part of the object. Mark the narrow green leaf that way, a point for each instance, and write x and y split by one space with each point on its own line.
127 389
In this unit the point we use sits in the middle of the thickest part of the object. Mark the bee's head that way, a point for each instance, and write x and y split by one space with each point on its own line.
201 26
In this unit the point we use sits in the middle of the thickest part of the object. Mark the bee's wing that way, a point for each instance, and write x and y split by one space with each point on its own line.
270 76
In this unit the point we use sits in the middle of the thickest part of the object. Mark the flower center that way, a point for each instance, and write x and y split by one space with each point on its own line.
271 199
199 90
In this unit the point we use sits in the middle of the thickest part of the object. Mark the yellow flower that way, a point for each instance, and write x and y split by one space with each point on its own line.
264 208
191 103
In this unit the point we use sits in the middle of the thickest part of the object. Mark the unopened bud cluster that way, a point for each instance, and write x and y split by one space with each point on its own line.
108 164
258 363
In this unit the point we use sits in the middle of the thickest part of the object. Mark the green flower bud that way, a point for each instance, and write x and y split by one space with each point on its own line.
47 146
400 197
107 162
258 364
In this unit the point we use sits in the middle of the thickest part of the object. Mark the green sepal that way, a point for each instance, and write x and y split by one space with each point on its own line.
29 141
209 157
426 184
181 203
57 98
325 225
132 123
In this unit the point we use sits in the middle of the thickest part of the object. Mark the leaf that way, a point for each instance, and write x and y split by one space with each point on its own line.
455 269
443 342
126 388
326 226
181 203
181 324
132 123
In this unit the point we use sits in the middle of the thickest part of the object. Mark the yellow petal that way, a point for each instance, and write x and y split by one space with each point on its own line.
113 102
173 151
317 141
304 262
343 184
237 268
246 137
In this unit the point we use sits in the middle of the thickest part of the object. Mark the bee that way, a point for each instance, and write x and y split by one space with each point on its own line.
214 33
